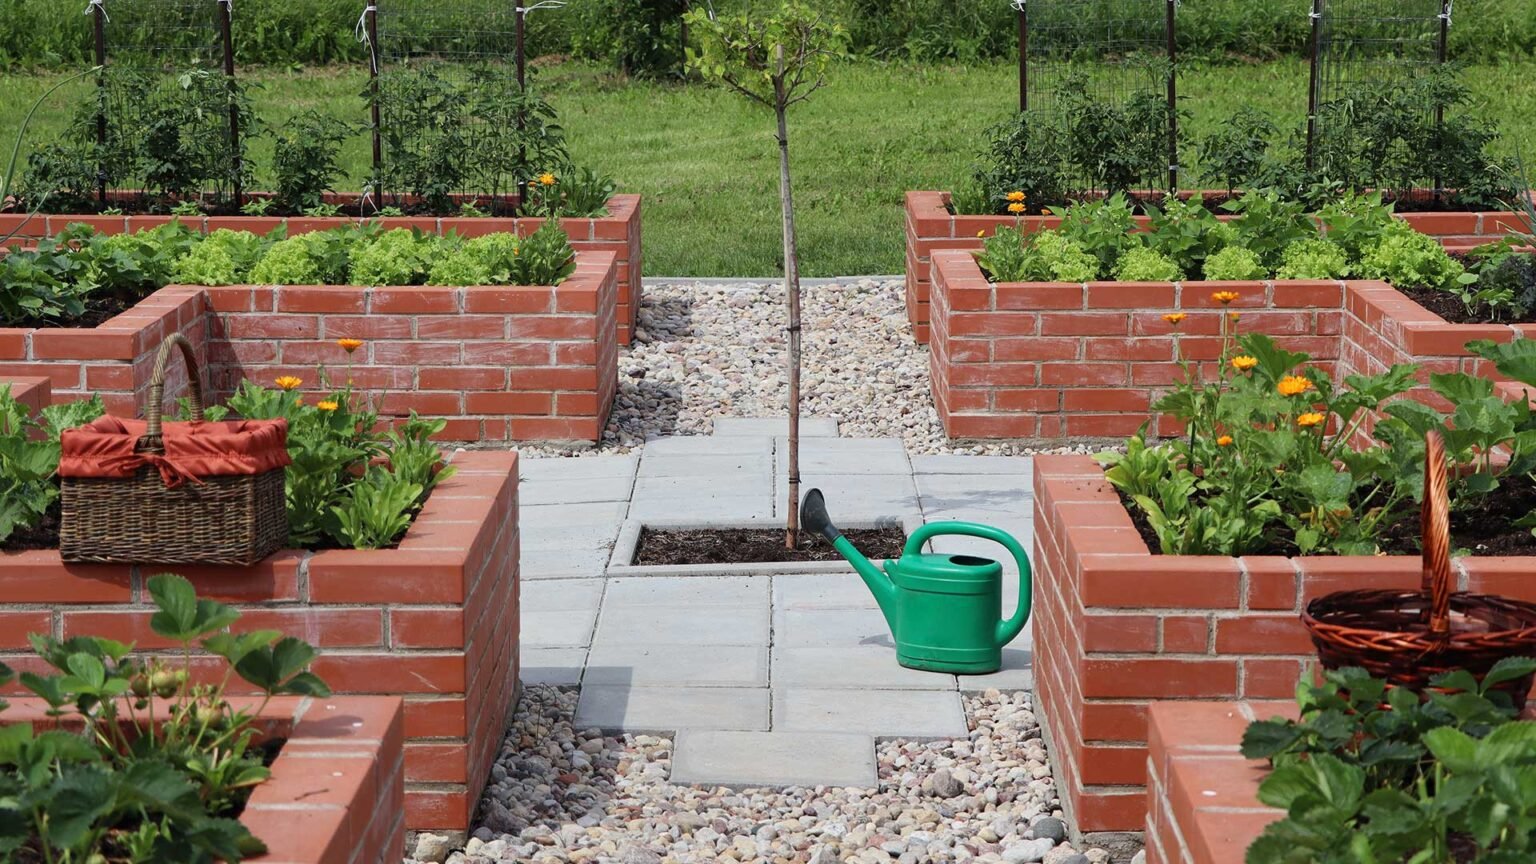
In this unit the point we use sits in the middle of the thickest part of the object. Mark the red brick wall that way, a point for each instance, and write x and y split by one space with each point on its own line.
434 620
618 232
498 362
1202 795
930 227
1117 628
1047 361
35 393
336 794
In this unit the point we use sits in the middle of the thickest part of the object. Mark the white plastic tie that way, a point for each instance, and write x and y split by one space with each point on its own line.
98 4
1018 5
361 30
1446 15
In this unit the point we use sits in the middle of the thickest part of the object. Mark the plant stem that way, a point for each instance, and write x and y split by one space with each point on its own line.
792 298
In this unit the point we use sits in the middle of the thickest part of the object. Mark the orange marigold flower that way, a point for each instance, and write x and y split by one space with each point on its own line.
1016 208
1233 315
1016 196
546 179
350 345
1225 297
327 405
1224 441
1311 418
981 233
1293 385
1243 362
288 382
1174 318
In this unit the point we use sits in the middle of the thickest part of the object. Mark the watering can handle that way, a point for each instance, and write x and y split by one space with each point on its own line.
1006 629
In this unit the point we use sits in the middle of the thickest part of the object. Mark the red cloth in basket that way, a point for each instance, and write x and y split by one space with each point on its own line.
108 448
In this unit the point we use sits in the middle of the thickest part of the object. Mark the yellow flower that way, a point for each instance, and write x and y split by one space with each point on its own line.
546 179
1224 441
1293 385
1243 362
1233 315
1311 418
1225 297
1174 318
288 382
1016 208
350 345
327 405
1015 196
981 233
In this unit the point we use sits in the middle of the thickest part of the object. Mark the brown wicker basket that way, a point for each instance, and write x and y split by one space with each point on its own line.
222 519
1409 637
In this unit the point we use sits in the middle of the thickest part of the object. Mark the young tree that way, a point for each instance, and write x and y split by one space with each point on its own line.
776 60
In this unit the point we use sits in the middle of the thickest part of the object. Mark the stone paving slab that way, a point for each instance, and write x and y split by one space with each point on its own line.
678 665
666 710
688 592
741 759
1010 494
701 445
703 497
1017 672
558 666
562 629
860 668
841 627
774 427
576 468
845 456
821 591
561 596
717 465
657 625
535 564
579 490
858 496
956 463
887 713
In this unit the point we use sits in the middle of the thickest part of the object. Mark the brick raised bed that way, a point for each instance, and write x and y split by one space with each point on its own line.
498 362
35 393
1046 361
1117 628
618 232
930 227
336 794
434 620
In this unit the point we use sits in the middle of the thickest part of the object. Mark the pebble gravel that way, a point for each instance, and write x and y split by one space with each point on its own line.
703 351
560 795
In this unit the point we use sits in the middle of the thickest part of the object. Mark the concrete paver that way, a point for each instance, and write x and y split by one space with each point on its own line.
775 427
687 591
683 625
887 713
558 666
710 757
677 665
616 709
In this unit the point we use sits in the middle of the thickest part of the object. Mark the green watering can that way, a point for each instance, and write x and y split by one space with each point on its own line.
943 609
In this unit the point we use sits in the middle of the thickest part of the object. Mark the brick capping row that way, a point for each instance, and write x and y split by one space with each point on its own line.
1121 628
434 620
931 227
618 232
498 362
336 794
1049 360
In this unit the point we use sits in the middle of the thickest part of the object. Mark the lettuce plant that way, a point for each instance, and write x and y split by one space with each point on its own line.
1234 263
1313 258
1042 256
1408 259
1145 264
399 257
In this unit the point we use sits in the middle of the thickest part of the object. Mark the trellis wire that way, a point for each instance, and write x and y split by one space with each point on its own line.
1104 51
472 47
1376 44
156 52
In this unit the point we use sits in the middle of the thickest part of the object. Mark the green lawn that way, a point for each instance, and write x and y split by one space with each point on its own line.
705 160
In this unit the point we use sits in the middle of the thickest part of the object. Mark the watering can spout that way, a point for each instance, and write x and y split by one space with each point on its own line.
813 517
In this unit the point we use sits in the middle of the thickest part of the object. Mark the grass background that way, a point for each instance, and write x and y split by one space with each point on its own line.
707 165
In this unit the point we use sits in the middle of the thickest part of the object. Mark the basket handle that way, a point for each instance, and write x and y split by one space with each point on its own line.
152 411
1435 518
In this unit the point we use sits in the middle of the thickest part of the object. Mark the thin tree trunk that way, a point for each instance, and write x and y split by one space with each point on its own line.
792 297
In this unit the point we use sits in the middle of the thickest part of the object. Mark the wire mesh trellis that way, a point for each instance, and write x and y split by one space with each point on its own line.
1097 76
169 118
456 124
1380 92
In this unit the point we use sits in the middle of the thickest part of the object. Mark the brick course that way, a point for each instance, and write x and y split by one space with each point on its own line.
1120 629
931 227
434 620
500 363
618 232
336 794
1046 361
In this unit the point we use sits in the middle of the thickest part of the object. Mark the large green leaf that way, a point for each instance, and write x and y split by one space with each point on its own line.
280 668
1454 748
181 615
1516 359
79 799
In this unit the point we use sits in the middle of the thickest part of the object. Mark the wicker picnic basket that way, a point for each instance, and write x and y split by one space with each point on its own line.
1409 637
143 491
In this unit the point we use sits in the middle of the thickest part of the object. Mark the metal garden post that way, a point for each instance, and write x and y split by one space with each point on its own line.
1022 7
369 24
1314 51
1173 98
522 85
227 39
99 28
1441 50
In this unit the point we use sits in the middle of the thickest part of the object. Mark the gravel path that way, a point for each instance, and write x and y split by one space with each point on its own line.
704 351
558 795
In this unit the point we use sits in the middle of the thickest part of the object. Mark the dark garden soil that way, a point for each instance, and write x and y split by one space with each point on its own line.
758 545
1408 204
140 205
1487 530
43 535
